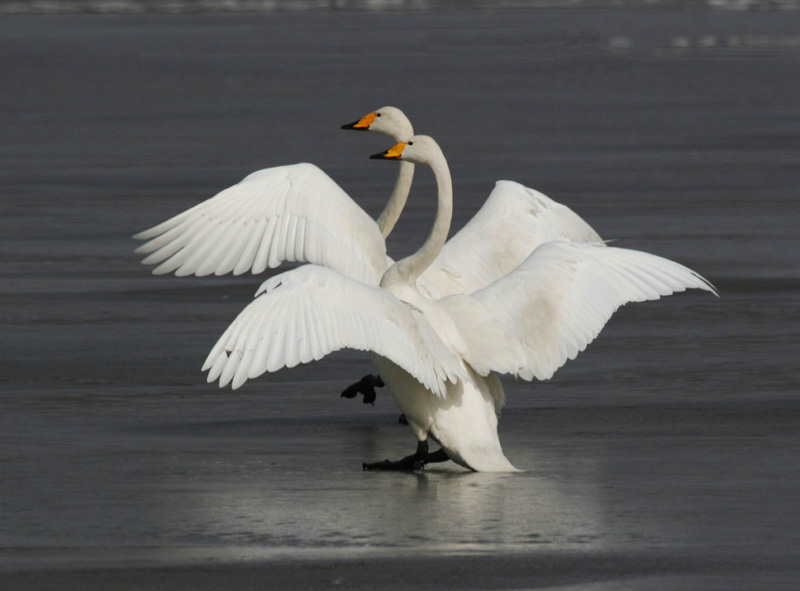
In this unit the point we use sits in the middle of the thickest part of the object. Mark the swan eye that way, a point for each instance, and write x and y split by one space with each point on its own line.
378 114
410 143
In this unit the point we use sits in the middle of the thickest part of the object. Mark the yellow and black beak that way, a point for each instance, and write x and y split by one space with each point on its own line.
362 124
393 153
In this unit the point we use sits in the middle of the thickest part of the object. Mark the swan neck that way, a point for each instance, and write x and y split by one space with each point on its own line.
397 201
412 267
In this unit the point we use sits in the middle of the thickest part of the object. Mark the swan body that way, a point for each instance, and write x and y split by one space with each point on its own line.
437 356
468 408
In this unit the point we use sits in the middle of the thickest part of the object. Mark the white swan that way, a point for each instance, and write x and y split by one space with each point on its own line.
437 356
285 213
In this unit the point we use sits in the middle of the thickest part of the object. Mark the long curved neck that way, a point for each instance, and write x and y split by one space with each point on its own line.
402 187
409 269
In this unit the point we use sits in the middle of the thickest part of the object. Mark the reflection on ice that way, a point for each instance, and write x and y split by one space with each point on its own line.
441 510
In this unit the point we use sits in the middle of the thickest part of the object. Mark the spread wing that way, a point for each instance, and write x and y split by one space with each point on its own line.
308 312
560 298
286 213
511 224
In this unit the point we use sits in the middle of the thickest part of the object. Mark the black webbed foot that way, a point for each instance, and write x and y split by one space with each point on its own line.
412 462
365 386
437 456
407 464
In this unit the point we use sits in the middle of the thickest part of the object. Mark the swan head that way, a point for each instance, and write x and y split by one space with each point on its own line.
419 149
389 121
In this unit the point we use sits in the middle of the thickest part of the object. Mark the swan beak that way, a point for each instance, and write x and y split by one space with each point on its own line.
393 153
363 123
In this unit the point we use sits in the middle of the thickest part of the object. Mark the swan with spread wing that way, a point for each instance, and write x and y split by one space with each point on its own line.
284 213
439 356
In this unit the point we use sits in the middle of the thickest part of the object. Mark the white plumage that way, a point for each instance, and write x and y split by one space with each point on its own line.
436 355
298 213
512 222
306 313
559 299
286 213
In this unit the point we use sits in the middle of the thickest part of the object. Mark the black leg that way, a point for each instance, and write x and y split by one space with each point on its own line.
412 462
365 386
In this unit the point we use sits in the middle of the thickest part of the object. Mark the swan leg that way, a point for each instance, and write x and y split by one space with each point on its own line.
416 461
365 386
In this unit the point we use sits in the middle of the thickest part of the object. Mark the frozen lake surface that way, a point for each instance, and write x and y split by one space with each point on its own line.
663 457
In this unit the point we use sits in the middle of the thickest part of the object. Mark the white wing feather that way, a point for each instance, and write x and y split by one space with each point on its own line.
306 313
511 224
286 213
560 298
